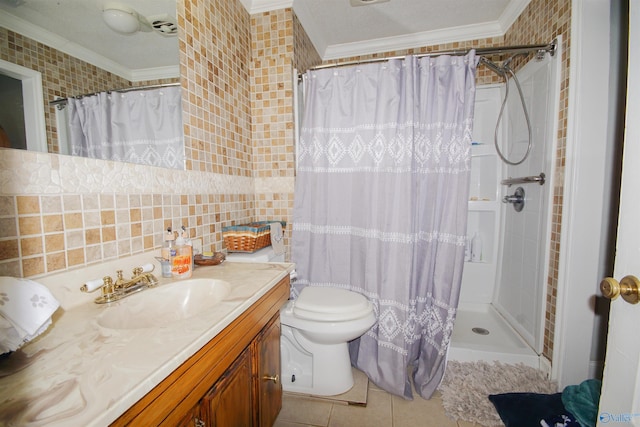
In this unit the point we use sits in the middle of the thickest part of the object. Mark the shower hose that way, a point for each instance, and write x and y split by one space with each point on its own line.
504 70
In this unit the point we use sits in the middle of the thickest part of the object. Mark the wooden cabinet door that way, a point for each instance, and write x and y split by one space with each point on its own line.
267 368
229 403
192 419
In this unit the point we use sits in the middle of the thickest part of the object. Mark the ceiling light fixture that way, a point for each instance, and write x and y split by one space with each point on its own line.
121 19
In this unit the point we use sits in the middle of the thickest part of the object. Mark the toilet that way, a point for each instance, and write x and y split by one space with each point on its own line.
316 328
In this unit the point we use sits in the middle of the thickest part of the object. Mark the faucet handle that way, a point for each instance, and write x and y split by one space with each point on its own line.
147 268
92 285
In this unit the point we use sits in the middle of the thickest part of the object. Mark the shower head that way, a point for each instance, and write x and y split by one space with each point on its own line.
493 66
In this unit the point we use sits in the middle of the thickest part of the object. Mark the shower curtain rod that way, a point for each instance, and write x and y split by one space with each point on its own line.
482 51
60 103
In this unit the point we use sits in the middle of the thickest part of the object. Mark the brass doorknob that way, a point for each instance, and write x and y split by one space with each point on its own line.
628 287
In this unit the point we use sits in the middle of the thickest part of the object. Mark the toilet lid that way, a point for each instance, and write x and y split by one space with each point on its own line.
330 304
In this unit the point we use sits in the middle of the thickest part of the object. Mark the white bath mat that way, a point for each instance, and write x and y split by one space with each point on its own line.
466 386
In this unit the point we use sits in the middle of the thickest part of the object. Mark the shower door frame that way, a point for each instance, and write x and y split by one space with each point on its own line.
536 339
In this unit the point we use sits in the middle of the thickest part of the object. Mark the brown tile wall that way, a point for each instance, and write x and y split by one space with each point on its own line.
215 56
272 101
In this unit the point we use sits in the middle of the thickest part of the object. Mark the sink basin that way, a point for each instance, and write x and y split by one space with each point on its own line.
164 305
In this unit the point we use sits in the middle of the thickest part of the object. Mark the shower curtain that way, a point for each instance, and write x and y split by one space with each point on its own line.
143 127
380 205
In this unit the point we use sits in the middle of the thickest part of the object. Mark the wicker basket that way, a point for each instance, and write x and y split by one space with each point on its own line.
248 237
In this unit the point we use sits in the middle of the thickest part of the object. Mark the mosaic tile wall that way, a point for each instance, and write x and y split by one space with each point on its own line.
60 212
272 101
275 37
62 74
214 62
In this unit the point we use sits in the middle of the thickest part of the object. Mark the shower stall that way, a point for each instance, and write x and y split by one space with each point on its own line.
501 315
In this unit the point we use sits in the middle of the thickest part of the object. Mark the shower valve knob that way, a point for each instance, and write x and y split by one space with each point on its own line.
628 287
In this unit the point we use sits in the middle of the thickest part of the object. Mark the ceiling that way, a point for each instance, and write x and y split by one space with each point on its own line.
336 28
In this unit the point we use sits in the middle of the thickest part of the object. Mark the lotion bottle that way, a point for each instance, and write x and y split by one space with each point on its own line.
189 243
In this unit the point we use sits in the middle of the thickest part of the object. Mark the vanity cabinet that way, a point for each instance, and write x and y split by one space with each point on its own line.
234 380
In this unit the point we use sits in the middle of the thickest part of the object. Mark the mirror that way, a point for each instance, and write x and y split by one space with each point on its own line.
86 55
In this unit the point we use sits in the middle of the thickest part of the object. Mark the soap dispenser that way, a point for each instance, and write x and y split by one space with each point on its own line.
181 264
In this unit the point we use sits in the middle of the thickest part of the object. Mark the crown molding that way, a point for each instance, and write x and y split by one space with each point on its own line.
415 40
27 29
259 6
169 72
513 10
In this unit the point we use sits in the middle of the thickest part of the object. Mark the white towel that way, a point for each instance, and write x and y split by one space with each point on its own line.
26 308
277 237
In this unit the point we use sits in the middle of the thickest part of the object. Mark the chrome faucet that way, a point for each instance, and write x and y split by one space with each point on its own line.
111 291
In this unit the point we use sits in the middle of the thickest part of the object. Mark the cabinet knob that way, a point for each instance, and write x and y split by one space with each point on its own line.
274 378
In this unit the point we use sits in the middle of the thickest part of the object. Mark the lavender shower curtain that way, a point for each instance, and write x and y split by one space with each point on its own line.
381 205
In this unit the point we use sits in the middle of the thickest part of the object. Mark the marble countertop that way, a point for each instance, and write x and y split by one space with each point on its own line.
79 373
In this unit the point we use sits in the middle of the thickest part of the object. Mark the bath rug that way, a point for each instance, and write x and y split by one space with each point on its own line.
466 387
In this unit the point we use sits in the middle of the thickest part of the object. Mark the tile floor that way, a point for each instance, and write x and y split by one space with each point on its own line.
382 410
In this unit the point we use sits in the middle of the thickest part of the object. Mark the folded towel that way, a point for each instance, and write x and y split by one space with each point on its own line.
25 311
582 401
277 237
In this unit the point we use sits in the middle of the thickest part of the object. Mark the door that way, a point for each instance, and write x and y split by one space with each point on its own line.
620 396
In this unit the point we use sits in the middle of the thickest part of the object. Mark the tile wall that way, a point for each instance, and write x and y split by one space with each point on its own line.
272 45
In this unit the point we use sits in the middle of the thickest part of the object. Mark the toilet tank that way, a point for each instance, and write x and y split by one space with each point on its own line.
262 255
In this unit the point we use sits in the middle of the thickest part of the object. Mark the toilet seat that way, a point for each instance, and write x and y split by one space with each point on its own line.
330 304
